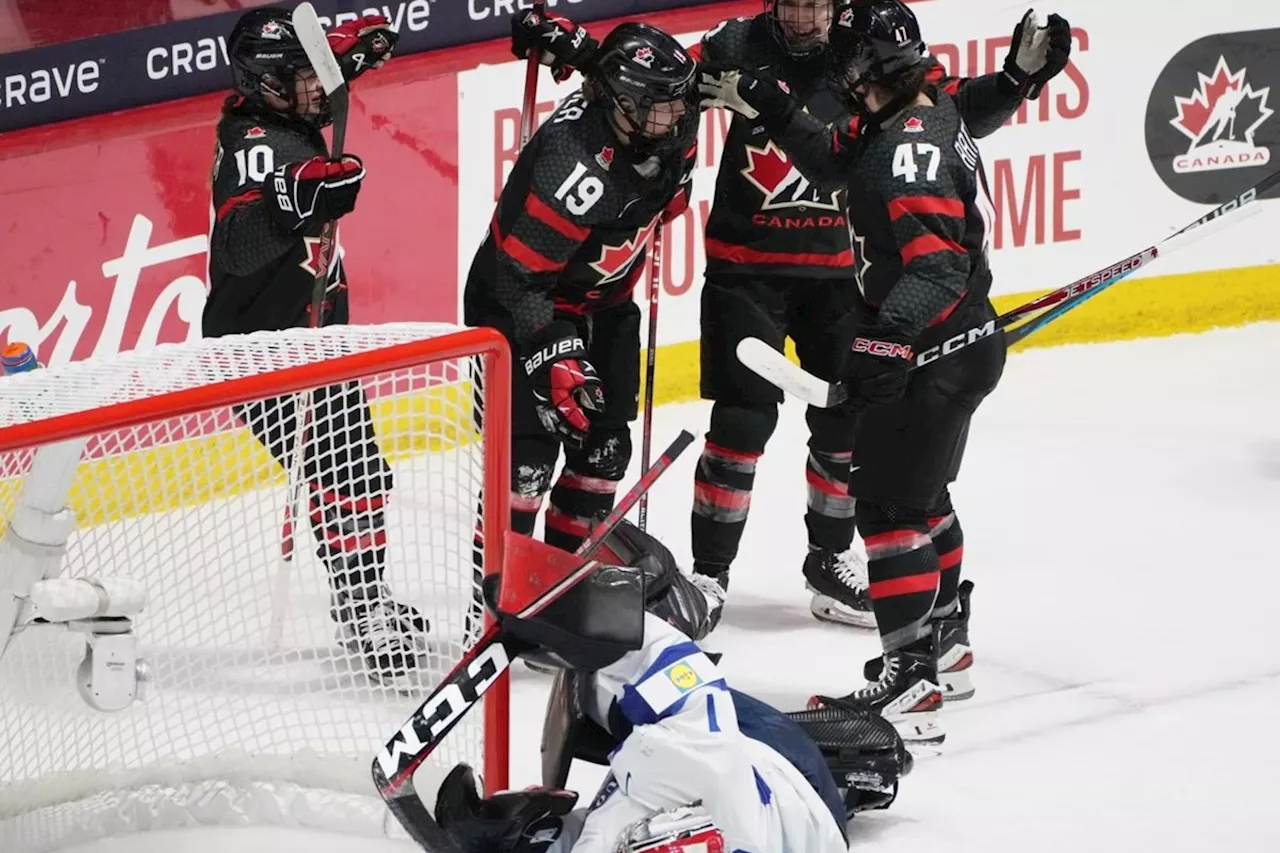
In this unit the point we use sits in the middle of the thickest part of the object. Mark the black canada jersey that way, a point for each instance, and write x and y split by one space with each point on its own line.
922 225
261 276
768 217
571 225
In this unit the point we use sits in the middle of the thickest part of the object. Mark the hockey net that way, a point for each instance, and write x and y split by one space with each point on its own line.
253 700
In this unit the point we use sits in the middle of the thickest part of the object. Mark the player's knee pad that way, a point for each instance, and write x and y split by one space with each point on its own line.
605 454
831 430
742 428
533 461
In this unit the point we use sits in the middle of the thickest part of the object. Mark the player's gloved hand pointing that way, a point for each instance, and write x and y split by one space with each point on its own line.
313 191
1038 54
746 94
879 367
362 44
565 385
565 46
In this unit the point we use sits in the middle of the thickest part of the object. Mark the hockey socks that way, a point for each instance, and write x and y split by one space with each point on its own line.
829 519
903 569
948 542
576 500
722 486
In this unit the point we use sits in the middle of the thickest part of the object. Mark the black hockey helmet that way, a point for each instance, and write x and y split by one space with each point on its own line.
800 26
637 70
872 42
266 57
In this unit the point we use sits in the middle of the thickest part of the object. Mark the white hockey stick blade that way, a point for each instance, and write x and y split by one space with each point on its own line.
773 366
306 24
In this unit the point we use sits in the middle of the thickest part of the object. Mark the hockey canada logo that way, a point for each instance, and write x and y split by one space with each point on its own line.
913 125
254 133
1221 119
616 260
771 171
1210 125
644 56
605 157
271 30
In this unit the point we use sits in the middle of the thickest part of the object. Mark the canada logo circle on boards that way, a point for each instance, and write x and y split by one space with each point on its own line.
1211 126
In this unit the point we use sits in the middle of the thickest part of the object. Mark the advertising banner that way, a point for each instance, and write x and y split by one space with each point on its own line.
184 58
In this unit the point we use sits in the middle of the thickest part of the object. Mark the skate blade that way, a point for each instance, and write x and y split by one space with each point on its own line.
827 609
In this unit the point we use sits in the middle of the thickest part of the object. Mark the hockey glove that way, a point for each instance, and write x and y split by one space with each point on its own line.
746 94
527 821
1038 54
565 385
878 369
565 46
314 191
362 44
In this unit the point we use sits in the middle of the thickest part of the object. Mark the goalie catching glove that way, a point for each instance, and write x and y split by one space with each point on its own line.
528 821
362 44
565 385
314 191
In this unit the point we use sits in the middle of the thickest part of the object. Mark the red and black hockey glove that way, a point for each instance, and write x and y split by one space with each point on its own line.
1038 54
314 191
565 385
362 44
879 367
565 46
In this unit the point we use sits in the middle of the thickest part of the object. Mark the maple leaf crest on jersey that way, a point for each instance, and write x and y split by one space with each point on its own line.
616 260
771 171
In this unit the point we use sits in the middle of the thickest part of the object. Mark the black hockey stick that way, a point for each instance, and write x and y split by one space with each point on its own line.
651 365
306 25
480 669
775 367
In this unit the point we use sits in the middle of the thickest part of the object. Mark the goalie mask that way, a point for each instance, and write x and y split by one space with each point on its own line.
800 26
270 68
648 79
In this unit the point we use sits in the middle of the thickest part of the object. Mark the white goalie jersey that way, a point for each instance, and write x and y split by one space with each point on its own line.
685 747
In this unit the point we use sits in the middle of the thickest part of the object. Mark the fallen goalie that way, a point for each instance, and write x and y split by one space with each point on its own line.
695 765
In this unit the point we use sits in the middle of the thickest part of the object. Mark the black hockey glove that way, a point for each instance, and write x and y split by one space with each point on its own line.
565 46
879 368
565 384
314 191
528 821
747 94
1038 54
362 44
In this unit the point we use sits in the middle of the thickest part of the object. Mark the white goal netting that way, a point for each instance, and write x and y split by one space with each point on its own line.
230 570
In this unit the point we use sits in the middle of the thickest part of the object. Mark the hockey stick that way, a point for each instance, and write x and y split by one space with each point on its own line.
480 669
646 439
306 26
775 367
530 104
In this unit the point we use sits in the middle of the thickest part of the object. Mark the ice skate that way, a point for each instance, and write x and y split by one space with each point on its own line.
838 581
387 634
906 693
955 655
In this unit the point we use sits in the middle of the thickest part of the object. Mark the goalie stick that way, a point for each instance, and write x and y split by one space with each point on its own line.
776 368
483 664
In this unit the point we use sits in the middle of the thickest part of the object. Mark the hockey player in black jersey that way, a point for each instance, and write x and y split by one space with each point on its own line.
921 216
556 271
779 264
274 187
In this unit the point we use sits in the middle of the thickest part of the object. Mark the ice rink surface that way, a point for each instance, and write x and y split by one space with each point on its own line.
1119 503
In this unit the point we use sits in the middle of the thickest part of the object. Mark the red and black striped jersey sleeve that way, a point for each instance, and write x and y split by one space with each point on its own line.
919 178
985 102
245 238
541 220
